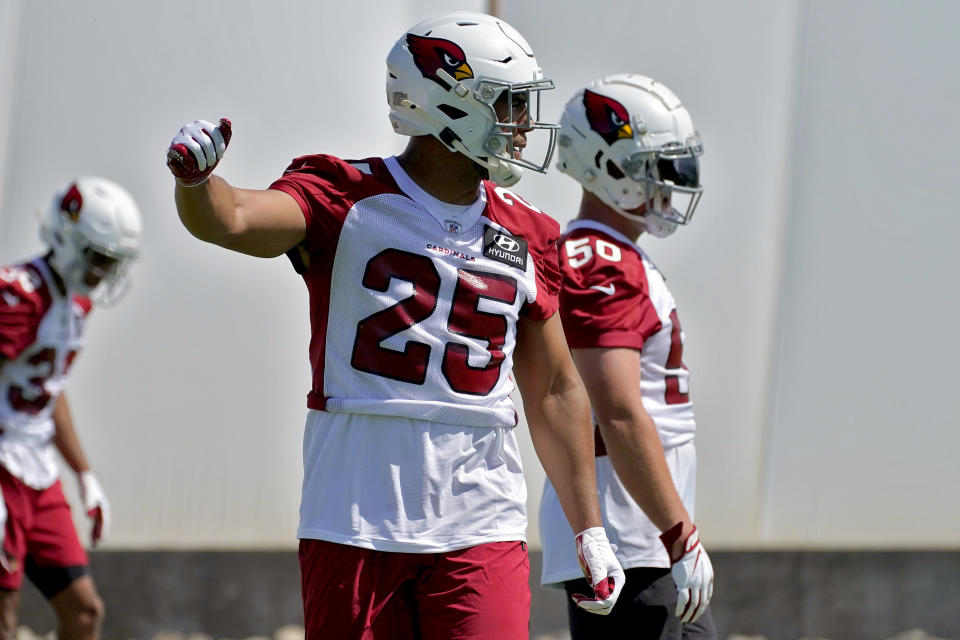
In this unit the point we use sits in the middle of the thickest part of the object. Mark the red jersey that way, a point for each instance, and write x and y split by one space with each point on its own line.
614 296
41 329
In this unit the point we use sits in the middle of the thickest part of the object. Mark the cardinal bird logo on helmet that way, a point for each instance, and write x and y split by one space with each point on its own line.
71 203
431 54
607 117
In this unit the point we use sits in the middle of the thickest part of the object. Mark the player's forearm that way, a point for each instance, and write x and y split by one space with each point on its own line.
636 453
558 416
563 438
209 210
65 437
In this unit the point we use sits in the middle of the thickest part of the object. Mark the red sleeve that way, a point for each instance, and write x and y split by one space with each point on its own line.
541 233
546 267
607 304
19 317
325 188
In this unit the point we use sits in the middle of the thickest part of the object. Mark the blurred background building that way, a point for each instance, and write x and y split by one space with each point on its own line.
814 285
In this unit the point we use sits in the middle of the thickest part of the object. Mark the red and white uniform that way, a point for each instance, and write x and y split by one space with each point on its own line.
414 306
40 334
613 296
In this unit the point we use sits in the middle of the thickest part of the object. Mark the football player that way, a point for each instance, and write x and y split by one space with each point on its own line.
92 229
429 283
632 146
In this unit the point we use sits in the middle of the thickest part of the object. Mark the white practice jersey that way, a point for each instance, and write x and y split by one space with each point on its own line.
40 335
414 308
613 296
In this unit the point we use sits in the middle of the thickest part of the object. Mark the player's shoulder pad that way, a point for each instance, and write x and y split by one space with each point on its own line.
22 290
520 217
23 301
316 164
331 167
359 177
610 246
598 258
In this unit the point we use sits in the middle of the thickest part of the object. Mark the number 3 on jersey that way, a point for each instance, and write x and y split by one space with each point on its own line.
410 365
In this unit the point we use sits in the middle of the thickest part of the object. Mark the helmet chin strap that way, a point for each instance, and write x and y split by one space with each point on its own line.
657 226
504 174
652 222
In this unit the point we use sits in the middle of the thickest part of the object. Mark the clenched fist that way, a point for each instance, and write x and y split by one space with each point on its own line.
196 150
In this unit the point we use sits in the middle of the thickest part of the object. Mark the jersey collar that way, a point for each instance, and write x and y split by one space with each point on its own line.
450 216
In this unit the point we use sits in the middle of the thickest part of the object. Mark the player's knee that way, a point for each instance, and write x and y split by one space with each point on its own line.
8 621
93 611
85 615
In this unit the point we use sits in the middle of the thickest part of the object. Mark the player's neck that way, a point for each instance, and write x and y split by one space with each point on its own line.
61 285
448 176
593 208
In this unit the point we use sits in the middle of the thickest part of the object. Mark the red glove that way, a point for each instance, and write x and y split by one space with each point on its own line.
196 149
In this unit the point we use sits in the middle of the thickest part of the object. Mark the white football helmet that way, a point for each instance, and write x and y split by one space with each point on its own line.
627 139
93 229
444 76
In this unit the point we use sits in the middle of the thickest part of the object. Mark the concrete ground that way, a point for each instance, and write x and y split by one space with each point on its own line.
773 595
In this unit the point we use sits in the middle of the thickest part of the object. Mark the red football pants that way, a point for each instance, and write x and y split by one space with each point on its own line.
39 527
478 593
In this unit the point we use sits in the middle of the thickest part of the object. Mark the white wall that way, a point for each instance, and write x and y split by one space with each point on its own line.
9 21
864 439
736 79
812 283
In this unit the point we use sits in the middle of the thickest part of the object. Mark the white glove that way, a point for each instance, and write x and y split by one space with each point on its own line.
602 570
96 505
5 562
692 572
196 150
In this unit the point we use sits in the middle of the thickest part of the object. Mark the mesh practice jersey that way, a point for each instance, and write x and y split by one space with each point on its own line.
411 316
613 296
40 335
409 443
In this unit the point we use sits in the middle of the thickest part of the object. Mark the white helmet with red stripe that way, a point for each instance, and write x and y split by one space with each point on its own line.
627 139
445 76
93 229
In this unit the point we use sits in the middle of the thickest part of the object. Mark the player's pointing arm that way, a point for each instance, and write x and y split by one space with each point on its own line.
264 223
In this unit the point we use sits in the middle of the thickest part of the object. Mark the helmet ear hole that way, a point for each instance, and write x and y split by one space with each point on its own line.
614 171
451 111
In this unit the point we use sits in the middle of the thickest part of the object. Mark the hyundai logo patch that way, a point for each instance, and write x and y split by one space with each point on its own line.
504 247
